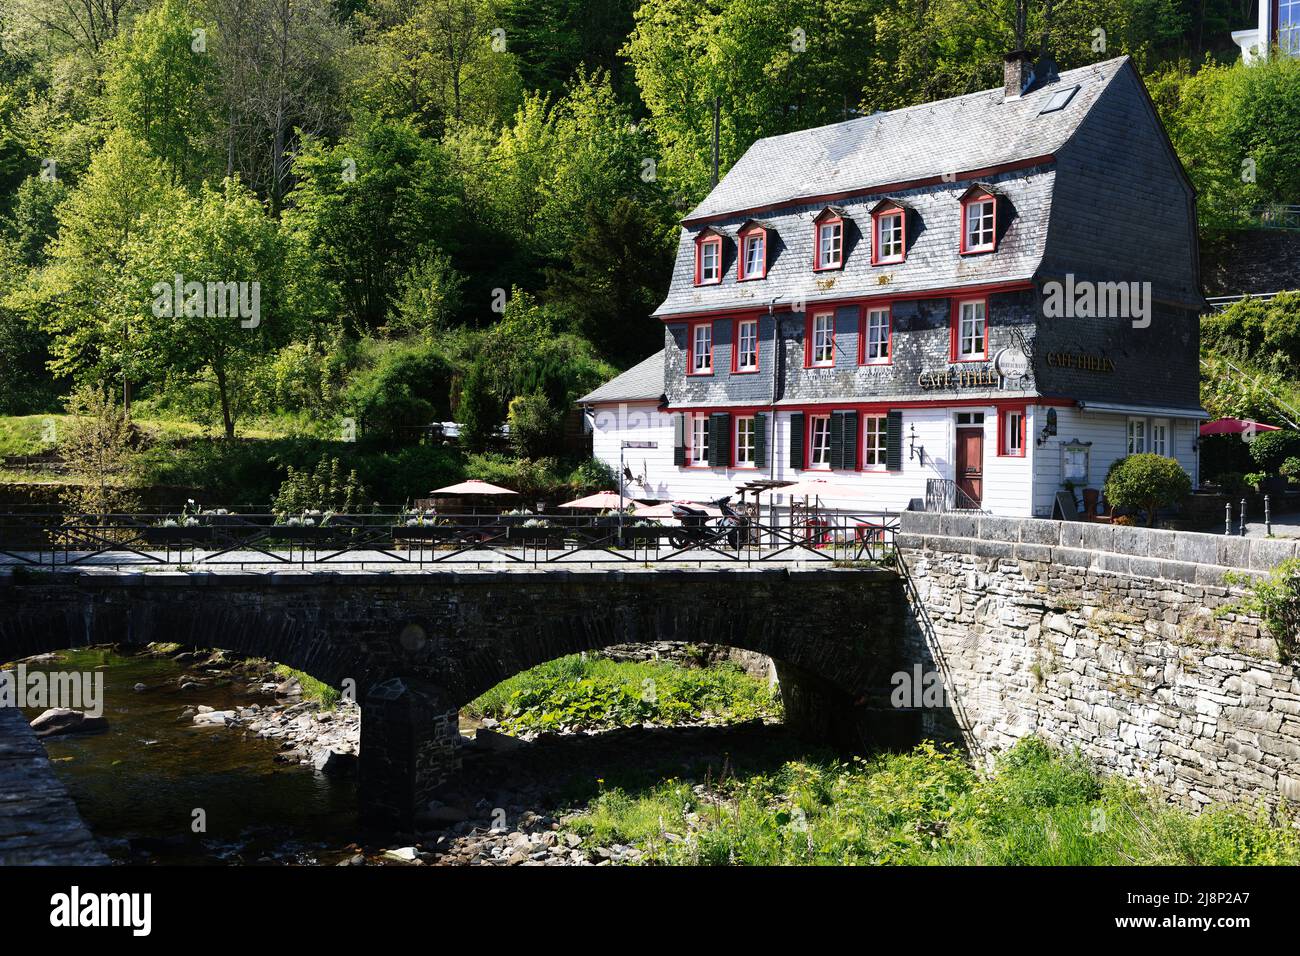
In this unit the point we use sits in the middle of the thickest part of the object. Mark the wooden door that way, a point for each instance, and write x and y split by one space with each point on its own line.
970 465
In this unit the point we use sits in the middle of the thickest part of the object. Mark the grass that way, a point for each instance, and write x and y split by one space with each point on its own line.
596 692
1038 807
312 689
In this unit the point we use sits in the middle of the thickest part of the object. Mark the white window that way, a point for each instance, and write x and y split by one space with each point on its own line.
819 443
747 345
699 451
1013 442
702 348
755 255
1160 444
877 344
1137 436
873 441
823 339
830 244
970 418
889 237
710 261
971 331
745 442
979 224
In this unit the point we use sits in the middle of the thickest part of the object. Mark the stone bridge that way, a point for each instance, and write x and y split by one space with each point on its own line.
1125 643
419 645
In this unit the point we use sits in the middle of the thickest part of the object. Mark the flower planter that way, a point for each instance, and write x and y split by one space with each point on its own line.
168 537
422 532
297 533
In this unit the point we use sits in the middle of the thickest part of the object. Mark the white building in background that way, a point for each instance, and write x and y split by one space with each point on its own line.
985 301
1278 25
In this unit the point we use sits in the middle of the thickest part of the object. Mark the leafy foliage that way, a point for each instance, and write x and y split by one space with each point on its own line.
594 692
1037 807
1276 600
1147 482
1270 449
324 489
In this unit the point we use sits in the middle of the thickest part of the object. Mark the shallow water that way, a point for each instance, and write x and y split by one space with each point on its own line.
139 784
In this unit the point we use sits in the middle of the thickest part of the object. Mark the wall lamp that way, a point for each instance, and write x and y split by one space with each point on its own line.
915 451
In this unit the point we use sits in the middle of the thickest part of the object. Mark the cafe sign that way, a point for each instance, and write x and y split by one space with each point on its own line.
983 376
1080 360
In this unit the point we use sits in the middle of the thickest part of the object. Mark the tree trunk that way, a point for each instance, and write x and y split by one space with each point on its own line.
227 419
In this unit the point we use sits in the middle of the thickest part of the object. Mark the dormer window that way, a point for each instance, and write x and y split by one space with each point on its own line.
753 251
889 233
828 238
979 219
708 259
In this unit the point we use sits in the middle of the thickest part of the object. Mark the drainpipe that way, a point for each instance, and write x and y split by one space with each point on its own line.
776 353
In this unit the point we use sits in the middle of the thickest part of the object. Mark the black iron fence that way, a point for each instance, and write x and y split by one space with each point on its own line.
37 538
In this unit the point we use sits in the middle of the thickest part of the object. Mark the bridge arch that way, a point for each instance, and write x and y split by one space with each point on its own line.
420 645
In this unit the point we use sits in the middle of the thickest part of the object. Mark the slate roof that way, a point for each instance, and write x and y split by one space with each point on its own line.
960 136
964 133
642 382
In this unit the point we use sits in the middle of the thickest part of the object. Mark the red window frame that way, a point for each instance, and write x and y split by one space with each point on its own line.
744 237
690 347
810 325
970 199
1004 451
735 348
827 219
707 238
863 318
808 442
876 218
736 418
862 443
691 419
954 330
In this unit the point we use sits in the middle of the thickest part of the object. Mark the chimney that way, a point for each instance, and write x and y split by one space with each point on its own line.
1017 73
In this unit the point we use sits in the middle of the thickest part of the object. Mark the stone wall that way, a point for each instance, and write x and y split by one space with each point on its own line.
1106 638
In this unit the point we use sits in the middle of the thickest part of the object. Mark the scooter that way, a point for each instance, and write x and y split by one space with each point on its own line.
695 528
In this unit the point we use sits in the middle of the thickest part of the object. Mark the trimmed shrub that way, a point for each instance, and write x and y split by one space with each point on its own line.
1147 482
1270 449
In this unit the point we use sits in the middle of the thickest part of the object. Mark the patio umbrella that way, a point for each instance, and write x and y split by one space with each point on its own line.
665 510
473 487
1235 426
601 501
821 488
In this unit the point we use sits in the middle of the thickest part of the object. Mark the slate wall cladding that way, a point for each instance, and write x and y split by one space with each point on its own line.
1106 638
921 343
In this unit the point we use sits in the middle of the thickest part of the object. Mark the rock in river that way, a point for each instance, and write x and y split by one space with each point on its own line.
61 720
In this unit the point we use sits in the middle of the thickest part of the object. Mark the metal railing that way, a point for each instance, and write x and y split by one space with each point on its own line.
144 541
944 494
1273 216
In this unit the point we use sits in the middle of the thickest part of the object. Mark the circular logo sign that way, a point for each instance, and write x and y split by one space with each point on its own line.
1012 364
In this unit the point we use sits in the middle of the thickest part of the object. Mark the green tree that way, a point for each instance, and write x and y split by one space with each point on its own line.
535 426
1147 482
366 207
159 86
240 296
617 275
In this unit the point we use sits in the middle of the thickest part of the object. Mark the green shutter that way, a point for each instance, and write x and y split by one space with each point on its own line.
837 440
894 441
760 440
796 440
679 439
850 441
720 440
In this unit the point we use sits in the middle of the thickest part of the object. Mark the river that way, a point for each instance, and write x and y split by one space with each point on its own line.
139 784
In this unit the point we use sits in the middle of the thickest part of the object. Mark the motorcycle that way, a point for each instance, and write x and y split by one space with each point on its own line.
696 530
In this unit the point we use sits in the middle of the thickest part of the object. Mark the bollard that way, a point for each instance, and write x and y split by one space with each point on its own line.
1268 519
1241 527
1227 517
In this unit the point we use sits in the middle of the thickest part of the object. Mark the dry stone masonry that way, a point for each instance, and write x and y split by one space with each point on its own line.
1106 638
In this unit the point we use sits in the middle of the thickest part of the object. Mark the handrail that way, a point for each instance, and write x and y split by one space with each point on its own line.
945 494
150 539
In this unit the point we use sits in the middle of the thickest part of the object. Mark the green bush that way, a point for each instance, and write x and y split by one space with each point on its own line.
407 384
1290 469
1270 449
324 488
535 426
1147 482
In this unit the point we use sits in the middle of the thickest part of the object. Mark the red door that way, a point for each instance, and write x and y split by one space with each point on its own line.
970 465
